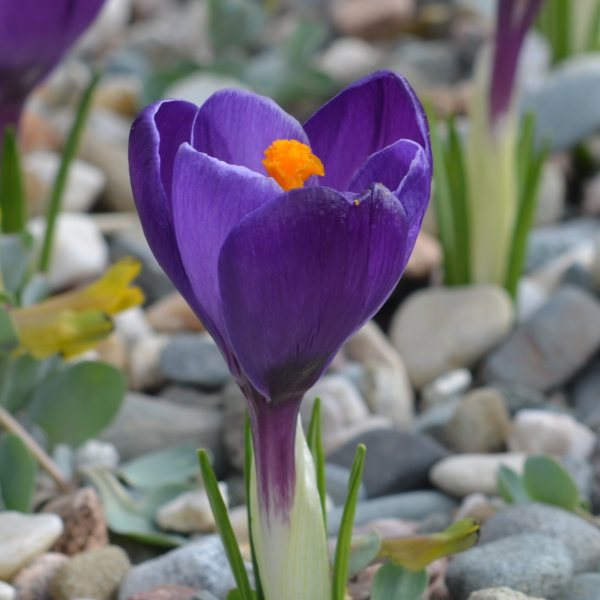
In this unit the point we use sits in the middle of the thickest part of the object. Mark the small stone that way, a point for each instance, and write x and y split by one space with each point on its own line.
190 512
465 474
24 537
8 592
449 385
530 562
33 582
425 257
84 184
336 478
412 506
439 329
543 432
84 521
194 359
96 453
583 587
551 194
168 591
581 538
407 456
172 314
199 86
93 574
349 58
119 94
549 348
501 593
480 423
200 564
113 350
372 19
133 325
79 251
478 507
143 366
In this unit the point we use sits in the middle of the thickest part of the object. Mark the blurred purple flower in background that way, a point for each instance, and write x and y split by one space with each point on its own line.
283 257
34 36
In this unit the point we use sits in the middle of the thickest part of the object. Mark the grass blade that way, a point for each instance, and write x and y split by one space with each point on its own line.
12 195
315 443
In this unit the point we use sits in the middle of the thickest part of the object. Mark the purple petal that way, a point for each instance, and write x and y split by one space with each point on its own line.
210 197
155 137
237 126
367 116
301 274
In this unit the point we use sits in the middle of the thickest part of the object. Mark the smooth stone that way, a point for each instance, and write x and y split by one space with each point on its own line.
449 385
425 258
143 366
371 19
551 195
501 593
529 562
543 432
234 425
438 329
199 86
434 420
154 282
200 564
133 325
170 591
79 251
95 574
119 93
336 483
583 587
549 348
582 473
478 506
407 458
581 538
84 183
24 537
531 296
7 591
194 359
480 423
518 397
190 512
465 474
172 314
33 581
348 58
96 453
412 506
145 424
584 392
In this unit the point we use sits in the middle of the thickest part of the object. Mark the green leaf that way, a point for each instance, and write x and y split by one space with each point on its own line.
392 582
342 551
546 480
78 402
219 511
17 473
315 443
12 196
510 486
363 552
9 336
172 465
15 261
135 518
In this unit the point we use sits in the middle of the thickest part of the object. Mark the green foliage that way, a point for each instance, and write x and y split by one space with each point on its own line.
9 336
397 583
12 196
17 473
544 479
77 402
315 443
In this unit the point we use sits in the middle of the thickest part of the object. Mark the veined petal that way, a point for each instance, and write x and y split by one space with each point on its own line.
210 197
155 138
237 126
367 116
301 274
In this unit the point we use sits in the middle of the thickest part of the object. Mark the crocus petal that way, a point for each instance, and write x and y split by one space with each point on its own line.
367 116
237 126
299 275
155 137
210 197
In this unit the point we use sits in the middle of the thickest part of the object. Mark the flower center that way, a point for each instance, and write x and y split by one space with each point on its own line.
290 163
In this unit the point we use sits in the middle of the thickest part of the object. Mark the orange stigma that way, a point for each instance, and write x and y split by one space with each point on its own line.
290 163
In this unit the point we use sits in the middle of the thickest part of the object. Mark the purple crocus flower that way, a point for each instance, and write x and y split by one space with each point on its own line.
34 36
285 239
514 18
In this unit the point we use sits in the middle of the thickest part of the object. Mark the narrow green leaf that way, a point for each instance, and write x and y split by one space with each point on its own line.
510 486
12 196
78 402
219 511
60 182
17 473
392 582
363 552
9 336
593 38
315 443
546 480
342 551
248 452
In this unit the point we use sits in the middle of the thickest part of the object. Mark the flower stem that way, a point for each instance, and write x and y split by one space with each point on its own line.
11 424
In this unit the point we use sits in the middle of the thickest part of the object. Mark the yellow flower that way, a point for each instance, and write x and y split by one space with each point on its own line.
76 321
